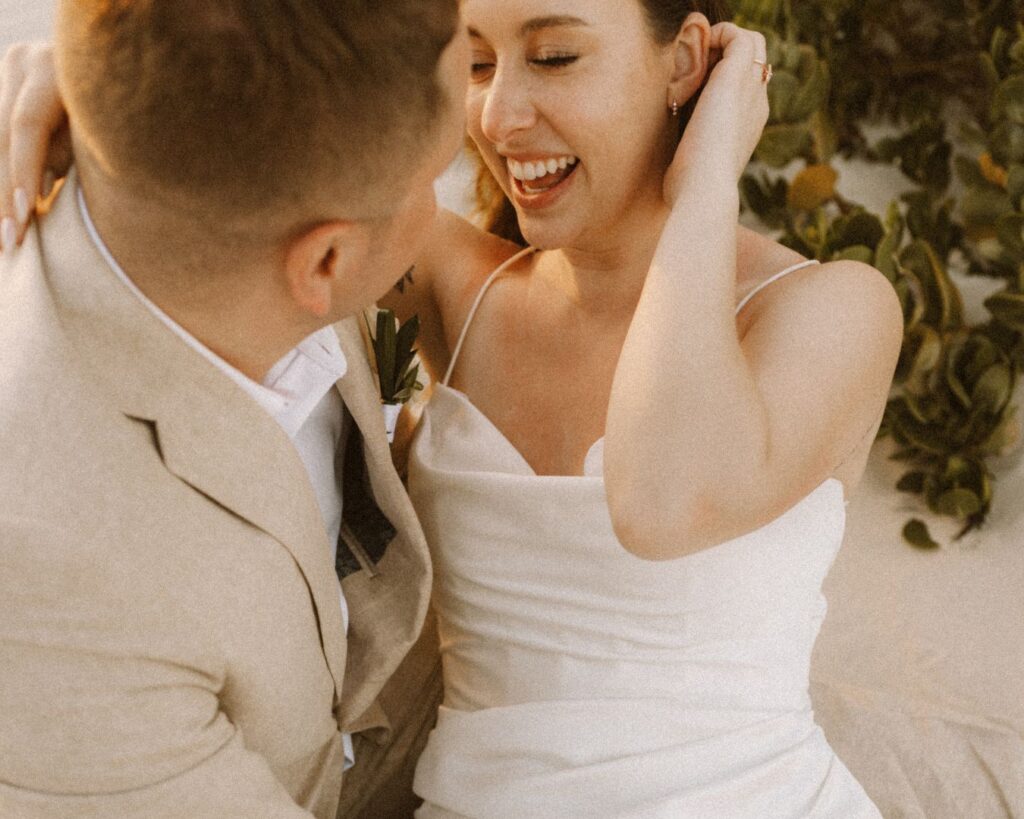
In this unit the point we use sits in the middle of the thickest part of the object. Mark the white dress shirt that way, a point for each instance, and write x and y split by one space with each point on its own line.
298 392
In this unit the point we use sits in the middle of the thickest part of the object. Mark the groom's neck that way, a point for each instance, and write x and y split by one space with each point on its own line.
219 290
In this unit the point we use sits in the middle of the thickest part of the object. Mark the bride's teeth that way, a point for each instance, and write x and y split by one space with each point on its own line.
538 169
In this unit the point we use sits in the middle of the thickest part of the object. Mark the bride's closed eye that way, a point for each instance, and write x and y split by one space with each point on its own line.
557 60
479 71
482 68
481 65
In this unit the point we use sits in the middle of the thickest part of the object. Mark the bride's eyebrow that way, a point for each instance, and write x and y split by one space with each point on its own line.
554 21
538 23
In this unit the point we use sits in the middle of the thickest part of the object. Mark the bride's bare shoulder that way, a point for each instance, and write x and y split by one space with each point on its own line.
849 292
759 257
457 258
865 294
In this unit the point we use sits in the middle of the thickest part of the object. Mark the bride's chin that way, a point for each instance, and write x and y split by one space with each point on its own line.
543 236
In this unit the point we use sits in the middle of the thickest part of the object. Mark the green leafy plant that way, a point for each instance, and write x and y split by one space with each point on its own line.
912 67
395 355
993 201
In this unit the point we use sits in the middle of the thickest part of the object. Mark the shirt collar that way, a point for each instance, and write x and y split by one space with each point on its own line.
293 386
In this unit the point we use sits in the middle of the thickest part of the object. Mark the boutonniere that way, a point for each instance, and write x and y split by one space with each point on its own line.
397 368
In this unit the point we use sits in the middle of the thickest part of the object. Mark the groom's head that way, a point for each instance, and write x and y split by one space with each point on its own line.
308 131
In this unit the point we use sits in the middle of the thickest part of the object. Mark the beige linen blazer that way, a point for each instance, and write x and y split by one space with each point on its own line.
171 642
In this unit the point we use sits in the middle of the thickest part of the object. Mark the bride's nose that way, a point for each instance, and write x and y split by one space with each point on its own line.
508 108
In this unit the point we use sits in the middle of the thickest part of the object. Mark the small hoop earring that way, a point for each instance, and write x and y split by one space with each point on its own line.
675 108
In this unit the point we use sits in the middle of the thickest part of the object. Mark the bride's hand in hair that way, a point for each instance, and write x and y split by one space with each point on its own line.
730 115
34 141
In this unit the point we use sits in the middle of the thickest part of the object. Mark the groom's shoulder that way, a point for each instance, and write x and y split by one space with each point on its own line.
55 437
31 354
52 418
74 473
29 317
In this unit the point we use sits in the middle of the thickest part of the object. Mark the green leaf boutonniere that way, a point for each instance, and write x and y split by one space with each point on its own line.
397 368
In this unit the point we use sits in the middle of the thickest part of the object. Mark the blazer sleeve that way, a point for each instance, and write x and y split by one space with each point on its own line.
99 714
233 783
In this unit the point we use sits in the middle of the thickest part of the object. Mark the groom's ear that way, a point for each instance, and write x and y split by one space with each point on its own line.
317 260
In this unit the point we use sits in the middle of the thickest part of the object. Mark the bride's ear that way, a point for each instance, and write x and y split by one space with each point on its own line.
691 57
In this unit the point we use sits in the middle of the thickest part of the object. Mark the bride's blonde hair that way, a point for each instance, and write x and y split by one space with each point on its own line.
664 19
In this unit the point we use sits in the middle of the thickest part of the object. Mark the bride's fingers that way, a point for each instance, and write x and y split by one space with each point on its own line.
737 42
37 115
11 77
35 161
729 36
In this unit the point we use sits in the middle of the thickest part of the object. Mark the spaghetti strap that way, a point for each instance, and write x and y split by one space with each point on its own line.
476 303
526 250
770 279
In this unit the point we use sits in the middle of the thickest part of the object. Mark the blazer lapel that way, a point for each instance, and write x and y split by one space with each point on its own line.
208 432
388 596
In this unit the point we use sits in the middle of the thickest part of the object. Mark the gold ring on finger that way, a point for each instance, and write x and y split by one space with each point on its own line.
766 72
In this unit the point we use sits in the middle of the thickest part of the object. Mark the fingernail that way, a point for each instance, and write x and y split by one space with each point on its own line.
21 205
8 234
48 180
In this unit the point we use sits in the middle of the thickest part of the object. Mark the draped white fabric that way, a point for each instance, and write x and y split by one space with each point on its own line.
583 681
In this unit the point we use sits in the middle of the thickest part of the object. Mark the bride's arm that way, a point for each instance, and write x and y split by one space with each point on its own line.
709 437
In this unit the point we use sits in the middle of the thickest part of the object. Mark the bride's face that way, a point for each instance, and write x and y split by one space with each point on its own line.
568 104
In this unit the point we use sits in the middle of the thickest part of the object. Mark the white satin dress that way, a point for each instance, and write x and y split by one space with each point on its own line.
581 681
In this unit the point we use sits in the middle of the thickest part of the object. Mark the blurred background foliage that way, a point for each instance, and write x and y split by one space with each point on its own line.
944 81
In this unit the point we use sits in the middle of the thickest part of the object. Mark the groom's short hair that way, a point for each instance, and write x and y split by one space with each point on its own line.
246 104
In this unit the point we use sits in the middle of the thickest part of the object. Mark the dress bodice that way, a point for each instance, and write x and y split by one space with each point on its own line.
529 575
581 680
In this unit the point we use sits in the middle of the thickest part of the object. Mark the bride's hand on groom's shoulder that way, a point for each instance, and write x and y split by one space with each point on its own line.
35 145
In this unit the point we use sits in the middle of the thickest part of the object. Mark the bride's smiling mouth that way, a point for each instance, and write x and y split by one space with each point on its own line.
536 182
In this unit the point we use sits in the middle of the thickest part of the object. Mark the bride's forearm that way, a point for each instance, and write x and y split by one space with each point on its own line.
686 425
